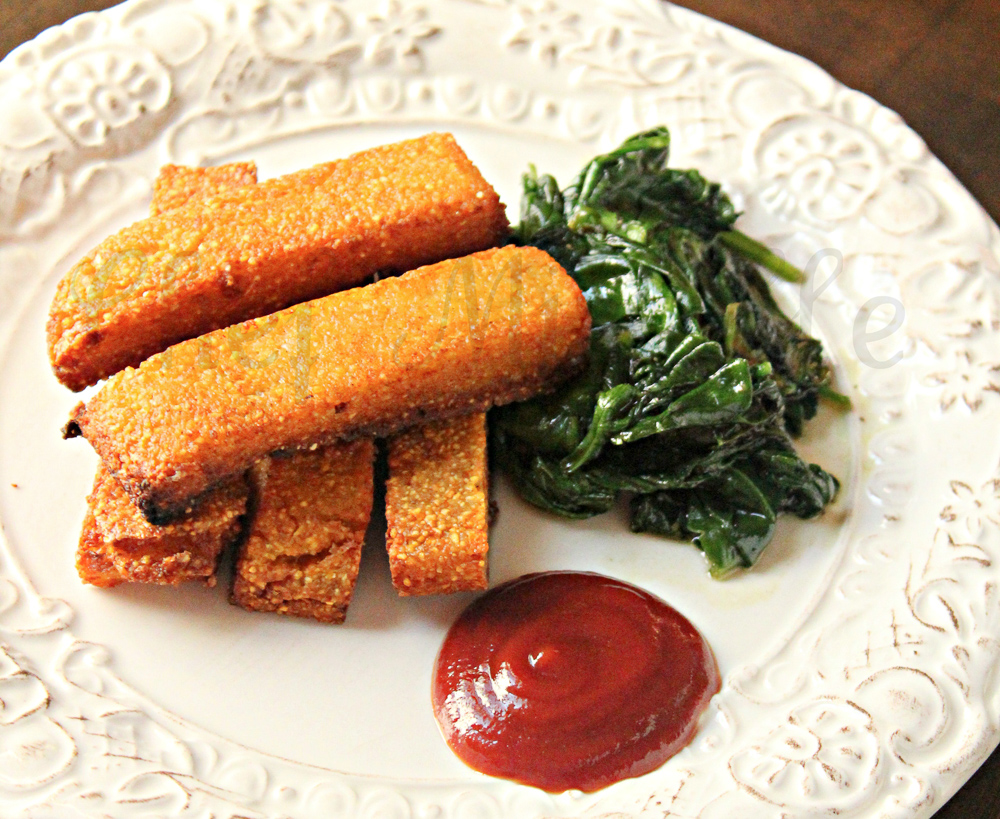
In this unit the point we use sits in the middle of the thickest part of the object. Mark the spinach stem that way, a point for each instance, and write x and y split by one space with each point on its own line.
758 253
840 400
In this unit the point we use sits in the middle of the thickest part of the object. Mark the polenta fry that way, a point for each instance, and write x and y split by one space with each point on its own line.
436 507
249 251
445 340
303 548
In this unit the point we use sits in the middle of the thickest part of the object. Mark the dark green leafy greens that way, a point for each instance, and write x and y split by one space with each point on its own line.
696 379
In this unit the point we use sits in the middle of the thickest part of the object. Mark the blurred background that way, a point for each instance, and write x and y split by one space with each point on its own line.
935 62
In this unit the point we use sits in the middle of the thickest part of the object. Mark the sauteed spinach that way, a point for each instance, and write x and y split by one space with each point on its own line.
696 379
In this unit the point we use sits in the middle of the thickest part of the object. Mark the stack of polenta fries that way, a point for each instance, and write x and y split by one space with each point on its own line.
249 368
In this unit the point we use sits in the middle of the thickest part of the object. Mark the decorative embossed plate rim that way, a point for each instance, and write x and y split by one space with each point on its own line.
883 699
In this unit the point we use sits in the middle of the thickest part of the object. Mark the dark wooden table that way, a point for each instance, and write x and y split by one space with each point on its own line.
936 62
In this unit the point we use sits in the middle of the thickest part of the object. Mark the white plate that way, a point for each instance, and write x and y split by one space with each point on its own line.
859 658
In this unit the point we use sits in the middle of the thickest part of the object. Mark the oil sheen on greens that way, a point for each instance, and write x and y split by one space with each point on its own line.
696 378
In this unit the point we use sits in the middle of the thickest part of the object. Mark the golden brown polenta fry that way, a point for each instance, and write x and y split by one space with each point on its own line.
438 342
118 545
303 549
250 251
436 507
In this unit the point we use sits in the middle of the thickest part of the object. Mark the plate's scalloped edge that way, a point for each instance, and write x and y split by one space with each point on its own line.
864 711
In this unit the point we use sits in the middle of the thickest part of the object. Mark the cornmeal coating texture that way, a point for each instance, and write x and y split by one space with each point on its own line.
118 545
445 340
178 185
303 549
250 251
436 507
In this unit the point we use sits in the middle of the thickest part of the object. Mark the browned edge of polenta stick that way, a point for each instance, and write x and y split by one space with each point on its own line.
118 545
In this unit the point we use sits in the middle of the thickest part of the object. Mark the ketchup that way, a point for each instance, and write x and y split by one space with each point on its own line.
571 680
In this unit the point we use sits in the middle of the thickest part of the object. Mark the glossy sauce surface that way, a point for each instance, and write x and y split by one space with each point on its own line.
571 680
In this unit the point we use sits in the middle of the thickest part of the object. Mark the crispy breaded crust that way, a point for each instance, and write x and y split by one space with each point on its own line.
177 185
442 341
248 252
303 550
436 507
118 545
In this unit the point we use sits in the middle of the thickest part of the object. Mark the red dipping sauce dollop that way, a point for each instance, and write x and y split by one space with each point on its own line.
570 680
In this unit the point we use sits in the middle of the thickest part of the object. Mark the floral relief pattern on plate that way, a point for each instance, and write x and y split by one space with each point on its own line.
867 708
